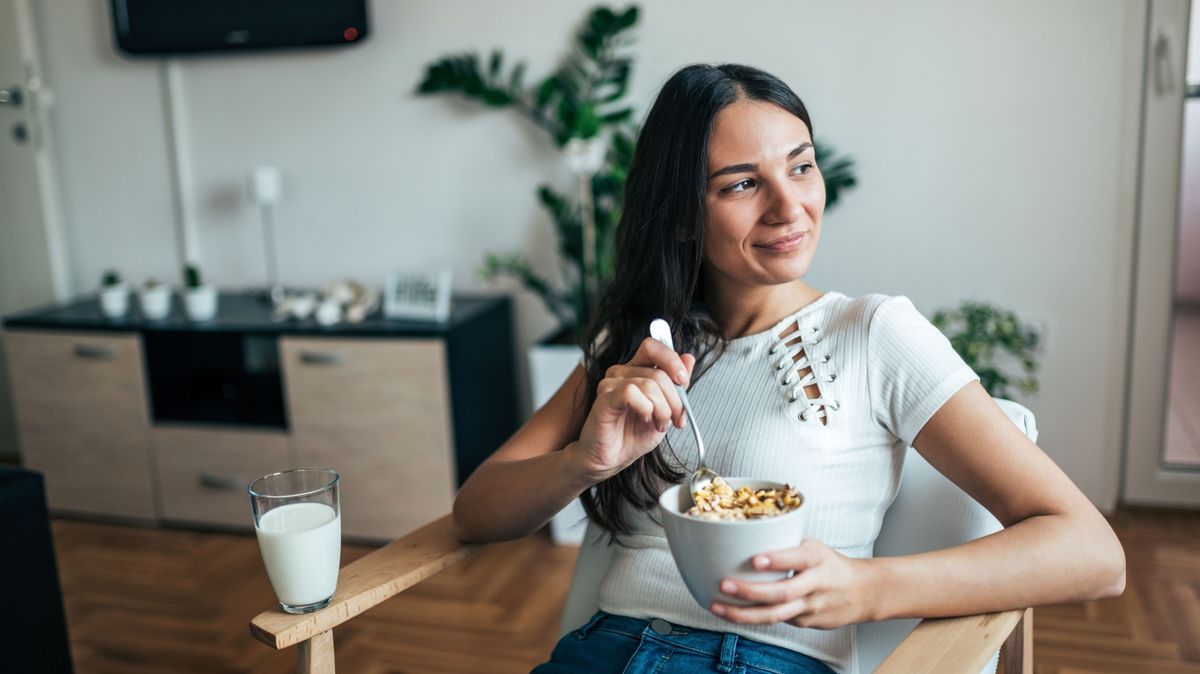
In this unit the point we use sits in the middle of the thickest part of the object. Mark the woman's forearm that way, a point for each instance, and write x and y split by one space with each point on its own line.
503 500
1042 560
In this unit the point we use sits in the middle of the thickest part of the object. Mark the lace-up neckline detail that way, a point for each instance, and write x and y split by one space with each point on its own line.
802 366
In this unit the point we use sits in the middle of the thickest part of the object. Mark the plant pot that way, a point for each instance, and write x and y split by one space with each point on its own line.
114 301
201 303
549 367
156 302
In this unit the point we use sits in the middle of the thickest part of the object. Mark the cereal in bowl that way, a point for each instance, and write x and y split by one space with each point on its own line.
719 501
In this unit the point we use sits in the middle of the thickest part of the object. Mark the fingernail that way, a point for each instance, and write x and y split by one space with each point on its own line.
681 376
718 609
761 562
662 428
728 587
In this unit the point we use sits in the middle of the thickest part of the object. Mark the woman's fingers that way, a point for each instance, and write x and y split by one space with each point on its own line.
653 353
623 395
653 374
761 615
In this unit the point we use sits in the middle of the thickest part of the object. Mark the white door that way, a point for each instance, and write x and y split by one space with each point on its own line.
1148 479
32 269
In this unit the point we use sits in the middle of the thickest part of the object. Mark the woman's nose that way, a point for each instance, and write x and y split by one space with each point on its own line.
786 204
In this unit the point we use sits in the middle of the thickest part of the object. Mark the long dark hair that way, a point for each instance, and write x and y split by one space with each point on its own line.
658 254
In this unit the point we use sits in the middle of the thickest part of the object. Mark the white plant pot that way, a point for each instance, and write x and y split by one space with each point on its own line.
156 302
114 301
201 303
549 367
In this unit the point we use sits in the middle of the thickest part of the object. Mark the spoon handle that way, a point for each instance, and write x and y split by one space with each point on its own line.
660 330
687 408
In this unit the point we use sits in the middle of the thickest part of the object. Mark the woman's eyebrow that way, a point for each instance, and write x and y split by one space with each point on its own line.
747 168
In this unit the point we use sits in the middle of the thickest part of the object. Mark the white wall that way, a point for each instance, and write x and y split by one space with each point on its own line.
987 137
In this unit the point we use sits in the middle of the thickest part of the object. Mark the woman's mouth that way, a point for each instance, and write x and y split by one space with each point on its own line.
784 244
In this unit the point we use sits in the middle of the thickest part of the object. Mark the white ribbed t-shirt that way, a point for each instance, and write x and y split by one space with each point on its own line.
882 370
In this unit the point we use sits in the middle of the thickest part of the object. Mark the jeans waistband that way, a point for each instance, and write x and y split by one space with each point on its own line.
725 648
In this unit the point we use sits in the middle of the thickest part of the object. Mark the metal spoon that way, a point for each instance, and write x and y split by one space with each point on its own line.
703 476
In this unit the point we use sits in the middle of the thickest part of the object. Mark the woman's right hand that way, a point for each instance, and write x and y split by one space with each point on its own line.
635 403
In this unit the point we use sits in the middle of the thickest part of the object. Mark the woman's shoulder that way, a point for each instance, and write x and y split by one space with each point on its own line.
863 308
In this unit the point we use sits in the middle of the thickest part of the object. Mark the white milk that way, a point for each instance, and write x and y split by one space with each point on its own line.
301 546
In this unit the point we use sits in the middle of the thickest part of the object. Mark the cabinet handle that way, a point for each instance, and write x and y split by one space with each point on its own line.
94 352
221 482
322 357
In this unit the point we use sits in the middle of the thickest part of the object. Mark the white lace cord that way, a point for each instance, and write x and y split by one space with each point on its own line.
796 346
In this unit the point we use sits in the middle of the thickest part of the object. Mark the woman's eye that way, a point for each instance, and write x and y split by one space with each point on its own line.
739 186
803 169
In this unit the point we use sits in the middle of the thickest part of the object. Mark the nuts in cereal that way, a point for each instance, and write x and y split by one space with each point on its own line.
719 501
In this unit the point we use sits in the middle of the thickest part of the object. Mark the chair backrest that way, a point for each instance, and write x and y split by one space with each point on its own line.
930 513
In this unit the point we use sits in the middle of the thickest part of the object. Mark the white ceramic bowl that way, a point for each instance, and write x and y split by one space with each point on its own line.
707 551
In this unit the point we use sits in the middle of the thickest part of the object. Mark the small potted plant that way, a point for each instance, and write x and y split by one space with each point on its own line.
200 300
114 295
155 298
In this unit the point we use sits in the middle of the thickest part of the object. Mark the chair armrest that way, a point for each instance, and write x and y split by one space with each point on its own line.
952 645
367 582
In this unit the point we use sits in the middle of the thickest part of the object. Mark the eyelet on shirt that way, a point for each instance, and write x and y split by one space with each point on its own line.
831 377
825 358
834 405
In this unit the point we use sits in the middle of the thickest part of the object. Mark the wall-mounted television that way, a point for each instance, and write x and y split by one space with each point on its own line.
164 27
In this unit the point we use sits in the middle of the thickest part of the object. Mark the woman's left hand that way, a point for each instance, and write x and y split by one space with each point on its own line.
828 589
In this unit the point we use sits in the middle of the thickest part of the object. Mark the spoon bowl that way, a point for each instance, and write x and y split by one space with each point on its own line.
703 475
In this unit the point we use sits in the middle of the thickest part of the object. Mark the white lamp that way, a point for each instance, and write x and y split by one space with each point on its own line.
265 188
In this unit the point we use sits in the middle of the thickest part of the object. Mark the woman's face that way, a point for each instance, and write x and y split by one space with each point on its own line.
764 199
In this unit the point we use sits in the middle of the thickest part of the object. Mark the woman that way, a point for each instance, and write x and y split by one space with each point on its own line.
722 217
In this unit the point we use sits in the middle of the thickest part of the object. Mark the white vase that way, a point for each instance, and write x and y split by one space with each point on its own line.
549 367
114 301
156 302
201 303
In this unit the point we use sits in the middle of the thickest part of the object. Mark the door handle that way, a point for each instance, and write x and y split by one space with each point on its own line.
221 482
12 96
322 357
94 352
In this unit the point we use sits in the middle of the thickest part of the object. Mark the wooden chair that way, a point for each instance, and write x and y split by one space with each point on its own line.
929 513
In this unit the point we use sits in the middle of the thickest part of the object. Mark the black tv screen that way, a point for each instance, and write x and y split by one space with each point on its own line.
187 26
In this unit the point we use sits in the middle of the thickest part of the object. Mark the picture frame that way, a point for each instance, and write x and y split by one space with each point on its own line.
418 295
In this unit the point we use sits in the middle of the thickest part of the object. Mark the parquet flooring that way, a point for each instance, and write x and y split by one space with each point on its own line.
161 601
1154 627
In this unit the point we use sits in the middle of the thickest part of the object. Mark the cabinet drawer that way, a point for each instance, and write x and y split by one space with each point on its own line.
368 384
203 473
390 484
80 406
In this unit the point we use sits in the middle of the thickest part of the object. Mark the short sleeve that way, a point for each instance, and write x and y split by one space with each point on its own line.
912 369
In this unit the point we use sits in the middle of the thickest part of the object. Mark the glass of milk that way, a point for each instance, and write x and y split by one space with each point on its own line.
298 520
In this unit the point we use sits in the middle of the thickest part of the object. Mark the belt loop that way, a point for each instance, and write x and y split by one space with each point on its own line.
728 653
582 632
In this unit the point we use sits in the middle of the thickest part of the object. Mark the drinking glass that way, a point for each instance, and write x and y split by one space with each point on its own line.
297 517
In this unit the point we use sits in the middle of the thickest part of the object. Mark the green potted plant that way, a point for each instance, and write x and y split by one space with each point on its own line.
199 300
113 294
1002 350
155 299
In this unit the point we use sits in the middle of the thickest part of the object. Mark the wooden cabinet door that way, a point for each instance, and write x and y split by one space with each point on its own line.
203 472
378 412
80 405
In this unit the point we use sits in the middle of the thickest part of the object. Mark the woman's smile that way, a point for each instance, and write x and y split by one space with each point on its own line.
784 244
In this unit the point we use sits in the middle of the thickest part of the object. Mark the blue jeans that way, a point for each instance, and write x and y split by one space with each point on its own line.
611 643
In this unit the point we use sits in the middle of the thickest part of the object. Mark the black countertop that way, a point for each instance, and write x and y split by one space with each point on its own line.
242 313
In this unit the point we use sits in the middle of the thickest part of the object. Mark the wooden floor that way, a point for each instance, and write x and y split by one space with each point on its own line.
161 601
